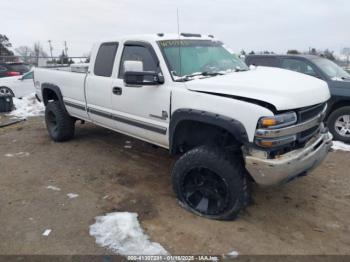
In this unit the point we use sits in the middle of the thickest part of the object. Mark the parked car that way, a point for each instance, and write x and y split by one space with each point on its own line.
13 69
338 111
227 124
17 86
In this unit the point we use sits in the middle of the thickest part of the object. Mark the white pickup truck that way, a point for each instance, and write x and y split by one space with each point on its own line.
229 125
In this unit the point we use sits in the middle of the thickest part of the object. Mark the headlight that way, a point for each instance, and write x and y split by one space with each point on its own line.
278 121
275 122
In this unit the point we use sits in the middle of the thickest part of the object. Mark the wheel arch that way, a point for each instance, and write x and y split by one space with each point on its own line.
12 91
336 105
52 92
184 120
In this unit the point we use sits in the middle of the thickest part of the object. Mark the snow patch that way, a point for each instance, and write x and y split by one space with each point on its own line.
72 195
26 107
337 145
47 232
233 254
20 154
54 188
121 232
337 78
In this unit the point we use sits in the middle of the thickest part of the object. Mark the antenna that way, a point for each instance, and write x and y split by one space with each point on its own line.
178 34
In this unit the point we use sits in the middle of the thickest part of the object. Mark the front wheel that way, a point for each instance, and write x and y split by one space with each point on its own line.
59 124
211 183
339 124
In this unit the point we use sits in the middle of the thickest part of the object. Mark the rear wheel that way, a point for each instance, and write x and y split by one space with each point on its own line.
339 124
211 183
59 124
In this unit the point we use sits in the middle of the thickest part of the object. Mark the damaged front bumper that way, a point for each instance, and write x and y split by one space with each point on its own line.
268 172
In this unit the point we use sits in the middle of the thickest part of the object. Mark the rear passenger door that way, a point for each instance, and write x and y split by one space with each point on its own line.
99 85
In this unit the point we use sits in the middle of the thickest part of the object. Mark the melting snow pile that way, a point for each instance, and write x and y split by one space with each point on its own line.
337 145
54 188
233 254
72 195
20 154
28 106
121 232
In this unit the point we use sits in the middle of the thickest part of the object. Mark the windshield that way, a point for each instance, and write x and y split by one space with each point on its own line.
331 69
199 57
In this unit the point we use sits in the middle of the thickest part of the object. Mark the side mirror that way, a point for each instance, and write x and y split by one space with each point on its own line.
133 66
134 75
143 78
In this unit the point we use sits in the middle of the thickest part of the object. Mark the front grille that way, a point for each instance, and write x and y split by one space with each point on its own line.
310 112
305 135
306 114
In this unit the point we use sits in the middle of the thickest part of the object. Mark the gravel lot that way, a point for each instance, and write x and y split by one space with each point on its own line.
310 215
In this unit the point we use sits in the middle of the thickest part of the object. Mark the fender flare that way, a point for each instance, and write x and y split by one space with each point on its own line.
233 126
56 90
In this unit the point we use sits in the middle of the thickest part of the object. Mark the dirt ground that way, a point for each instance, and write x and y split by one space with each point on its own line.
310 215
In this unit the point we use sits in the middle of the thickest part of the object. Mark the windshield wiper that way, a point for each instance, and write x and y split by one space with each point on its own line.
240 70
191 76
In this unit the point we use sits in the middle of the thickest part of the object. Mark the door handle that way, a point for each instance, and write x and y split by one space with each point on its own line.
117 90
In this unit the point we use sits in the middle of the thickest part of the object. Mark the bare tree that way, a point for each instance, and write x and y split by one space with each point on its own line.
39 51
25 52
4 46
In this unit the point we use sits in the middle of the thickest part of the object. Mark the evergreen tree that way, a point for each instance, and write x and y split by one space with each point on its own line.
4 46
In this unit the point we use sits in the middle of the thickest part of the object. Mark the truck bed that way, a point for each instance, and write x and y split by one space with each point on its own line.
71 83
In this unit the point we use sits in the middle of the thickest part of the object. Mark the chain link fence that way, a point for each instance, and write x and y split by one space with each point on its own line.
45 61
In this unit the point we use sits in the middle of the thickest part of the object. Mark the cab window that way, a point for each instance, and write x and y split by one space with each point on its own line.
105 59
138 53
298 66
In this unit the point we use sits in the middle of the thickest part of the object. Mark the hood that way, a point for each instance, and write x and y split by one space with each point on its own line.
282 88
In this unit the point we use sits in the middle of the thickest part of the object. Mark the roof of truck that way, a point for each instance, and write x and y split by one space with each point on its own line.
161 36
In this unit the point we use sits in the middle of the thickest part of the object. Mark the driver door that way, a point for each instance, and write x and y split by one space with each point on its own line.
142 111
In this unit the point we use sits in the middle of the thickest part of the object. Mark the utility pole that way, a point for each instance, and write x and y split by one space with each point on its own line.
51 49
66 51
66 48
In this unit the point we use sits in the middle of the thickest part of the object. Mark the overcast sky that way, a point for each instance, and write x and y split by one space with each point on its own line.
276 25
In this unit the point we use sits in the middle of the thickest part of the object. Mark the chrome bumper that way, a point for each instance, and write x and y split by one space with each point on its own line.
268 172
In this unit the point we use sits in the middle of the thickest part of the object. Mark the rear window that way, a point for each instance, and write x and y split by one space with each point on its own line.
105 59
19 68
